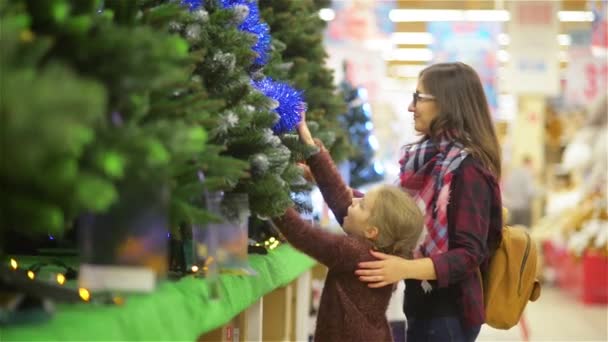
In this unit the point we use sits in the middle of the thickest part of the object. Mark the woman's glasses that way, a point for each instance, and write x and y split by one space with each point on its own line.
421 97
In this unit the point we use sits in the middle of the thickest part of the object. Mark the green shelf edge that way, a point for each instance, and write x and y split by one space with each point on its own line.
176 311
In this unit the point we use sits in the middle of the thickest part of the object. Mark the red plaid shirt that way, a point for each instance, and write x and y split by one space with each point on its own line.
474 229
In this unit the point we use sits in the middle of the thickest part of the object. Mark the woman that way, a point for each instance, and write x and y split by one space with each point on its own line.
453 173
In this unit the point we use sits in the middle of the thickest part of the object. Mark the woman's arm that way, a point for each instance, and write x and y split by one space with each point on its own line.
469 219
470 211
391 269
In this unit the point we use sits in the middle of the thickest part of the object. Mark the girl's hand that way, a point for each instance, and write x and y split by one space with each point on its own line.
304 132
388 270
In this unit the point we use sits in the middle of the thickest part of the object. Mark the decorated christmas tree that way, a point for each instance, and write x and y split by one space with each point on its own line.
188 95
140 105
297 33
230 45
364 169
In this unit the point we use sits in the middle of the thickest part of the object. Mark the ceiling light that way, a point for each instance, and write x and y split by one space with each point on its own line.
411 38
419 15
503 56
407 71
405 15
487 15
413 15
504 39
564 39
378 44
575 16
327 14
413 55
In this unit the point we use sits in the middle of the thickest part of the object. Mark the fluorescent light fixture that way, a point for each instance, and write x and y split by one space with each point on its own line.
503 56
411 38
575 16
564 39
327 14
507 107
415 15
413 55
407 71
378 44
405 15
502 72
487 15
504 39
421 15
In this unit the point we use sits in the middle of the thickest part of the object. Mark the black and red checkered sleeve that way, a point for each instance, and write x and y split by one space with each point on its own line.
469 213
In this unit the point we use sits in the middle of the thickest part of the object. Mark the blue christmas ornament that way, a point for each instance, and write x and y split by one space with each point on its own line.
254 25
192 4
291 103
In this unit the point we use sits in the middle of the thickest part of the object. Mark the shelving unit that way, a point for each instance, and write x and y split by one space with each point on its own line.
184 311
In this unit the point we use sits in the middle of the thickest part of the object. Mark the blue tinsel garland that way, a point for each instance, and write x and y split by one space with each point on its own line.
291 103
192 4
254 25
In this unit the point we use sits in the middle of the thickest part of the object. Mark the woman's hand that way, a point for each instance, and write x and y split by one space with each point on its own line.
388 270
304 132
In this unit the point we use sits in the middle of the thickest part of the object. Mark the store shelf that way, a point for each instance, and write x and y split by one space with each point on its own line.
176 311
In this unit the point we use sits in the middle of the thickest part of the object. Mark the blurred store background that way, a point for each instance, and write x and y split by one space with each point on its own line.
544 69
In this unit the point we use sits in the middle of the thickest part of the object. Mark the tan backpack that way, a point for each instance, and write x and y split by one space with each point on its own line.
510 281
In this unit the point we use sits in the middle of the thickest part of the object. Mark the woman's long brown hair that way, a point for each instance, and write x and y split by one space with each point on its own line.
463 111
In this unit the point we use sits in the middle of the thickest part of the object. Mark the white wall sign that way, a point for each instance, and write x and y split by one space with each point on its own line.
587 74
533 50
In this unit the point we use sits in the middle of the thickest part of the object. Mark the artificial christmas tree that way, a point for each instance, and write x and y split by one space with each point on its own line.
299 56
228 67
145 132
177 96
364 169
43 180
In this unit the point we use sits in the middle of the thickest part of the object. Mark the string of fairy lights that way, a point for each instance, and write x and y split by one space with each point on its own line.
60 278
85 295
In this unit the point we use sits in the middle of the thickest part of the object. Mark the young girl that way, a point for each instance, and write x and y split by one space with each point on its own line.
386 219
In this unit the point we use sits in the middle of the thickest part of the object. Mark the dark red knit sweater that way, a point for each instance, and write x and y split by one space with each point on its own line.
349 310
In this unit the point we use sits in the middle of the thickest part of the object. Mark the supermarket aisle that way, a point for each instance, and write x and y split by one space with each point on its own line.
557 317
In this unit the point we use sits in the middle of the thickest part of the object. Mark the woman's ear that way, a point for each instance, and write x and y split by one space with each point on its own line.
371 232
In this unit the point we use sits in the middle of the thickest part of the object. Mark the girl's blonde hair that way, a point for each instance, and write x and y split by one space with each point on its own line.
398 219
